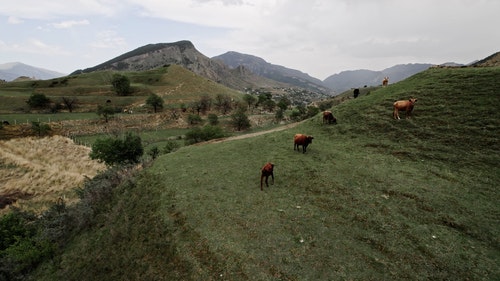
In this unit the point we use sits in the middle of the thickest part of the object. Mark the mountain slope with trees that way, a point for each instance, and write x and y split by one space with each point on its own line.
275 72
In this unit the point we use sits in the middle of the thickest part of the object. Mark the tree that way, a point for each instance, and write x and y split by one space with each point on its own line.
205 103
105 111
39 101
283 103
69 102
155 101
280 113
223 103
269 105
121 84
250 100
263 97
240 121
114 151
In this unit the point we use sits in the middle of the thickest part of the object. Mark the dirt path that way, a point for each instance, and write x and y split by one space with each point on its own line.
246 136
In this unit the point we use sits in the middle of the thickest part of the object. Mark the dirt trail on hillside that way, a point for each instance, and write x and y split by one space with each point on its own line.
246 136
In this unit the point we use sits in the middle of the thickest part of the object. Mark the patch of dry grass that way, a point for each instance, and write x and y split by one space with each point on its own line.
45 168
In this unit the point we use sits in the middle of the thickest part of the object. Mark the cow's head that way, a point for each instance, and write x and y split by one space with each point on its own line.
413 100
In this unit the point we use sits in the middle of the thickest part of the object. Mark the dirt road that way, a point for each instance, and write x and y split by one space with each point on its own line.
245 136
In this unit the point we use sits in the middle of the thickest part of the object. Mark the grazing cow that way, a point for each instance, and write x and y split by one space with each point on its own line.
385 82
300 139
329 118
356 92
267 171
403 105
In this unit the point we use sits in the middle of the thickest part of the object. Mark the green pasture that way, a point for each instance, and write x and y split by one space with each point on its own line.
373 198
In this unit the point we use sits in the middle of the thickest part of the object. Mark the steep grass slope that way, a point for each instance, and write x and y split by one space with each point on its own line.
372 199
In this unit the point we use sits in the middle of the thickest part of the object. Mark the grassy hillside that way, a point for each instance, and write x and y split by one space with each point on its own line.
174 84
372 199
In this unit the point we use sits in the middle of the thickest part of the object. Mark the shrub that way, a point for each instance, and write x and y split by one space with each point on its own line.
170 147
40 128
114 151
21 249
194 119
121 84
240 120
213 119
39 101
204 134
154 152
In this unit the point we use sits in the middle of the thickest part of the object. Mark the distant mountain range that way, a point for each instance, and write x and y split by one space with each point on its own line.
236 70
346 80
13 70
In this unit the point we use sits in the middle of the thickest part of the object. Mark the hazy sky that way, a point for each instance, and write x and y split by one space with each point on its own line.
318 37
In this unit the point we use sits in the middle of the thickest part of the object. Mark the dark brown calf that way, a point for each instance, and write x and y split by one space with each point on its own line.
267 171
329 118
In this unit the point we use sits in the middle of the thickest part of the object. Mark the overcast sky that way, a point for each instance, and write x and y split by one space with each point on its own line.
318 37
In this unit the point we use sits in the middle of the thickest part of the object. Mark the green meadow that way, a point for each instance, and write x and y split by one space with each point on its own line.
373 198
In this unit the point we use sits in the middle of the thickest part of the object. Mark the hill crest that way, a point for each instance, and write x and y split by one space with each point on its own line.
185 54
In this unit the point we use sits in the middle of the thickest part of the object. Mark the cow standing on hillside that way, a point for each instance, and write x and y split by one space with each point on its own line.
301 139
329 118
403 105
385 82
356 93
266 171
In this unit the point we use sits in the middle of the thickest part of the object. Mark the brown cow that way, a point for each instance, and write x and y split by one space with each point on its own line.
329 118
301 139
385 82
403 105
267 171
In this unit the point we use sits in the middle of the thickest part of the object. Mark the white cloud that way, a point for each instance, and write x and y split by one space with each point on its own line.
217 13
321 37
14 20
108 39
50 9
69 23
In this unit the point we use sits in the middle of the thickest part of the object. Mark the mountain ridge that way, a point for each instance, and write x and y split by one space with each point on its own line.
279 73
185 54
12 70
349 79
